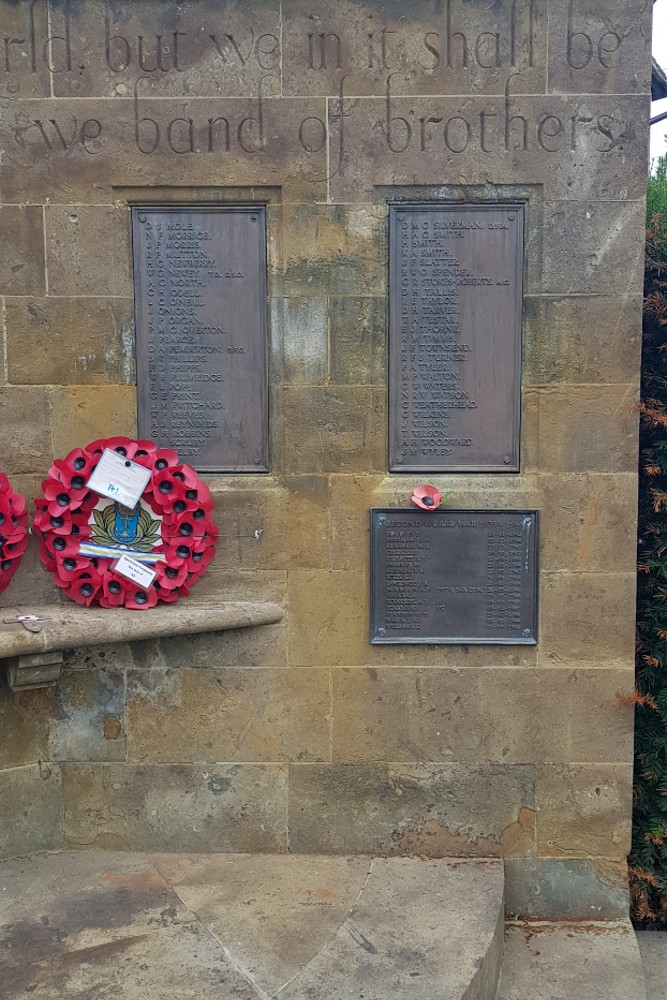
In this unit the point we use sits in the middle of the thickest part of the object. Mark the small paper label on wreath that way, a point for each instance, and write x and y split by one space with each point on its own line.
119 478
132 570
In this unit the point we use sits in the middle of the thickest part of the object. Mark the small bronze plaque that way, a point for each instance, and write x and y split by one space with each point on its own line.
455 285
201 329
454 576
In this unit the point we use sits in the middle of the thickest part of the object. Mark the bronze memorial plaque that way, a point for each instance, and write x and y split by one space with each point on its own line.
454 576
455 337
201 328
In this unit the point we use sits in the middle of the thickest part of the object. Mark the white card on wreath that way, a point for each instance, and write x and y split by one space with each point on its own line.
132 570
119 479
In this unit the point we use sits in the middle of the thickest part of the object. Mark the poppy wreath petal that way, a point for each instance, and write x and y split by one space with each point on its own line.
13 530
173 524
426 497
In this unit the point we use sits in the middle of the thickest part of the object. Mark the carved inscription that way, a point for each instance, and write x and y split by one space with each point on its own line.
201 334
453 576
454 337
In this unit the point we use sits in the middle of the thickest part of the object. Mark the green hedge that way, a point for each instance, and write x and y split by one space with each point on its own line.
648 860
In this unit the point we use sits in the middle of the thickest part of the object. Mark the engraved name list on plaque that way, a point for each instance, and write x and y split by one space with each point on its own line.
455 287
454 576
201 333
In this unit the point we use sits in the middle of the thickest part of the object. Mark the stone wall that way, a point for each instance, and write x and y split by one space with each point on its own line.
302 736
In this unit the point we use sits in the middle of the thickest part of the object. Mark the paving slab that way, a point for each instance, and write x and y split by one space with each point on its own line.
567 961
95 925
653 950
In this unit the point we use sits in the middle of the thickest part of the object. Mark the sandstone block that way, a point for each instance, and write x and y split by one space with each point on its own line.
25 416
504 715
178 51
431 49
338 429
577 148
584 809
581 338
228 714
357 334
335 250
22 236
25 62
100 151
305 341
88 723
60 341
23 724
81 415
176 807
600 49
586 522
590 428
74 238
433 810
588 617
566 889
32 810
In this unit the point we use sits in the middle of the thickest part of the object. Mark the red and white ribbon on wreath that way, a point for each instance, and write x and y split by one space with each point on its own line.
13 530
82 533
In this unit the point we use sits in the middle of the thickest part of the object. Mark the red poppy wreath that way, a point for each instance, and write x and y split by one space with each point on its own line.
13 531
83 533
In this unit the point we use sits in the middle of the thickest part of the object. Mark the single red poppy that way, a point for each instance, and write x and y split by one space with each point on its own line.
426 497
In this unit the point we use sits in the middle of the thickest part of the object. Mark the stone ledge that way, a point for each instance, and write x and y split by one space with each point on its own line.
56 627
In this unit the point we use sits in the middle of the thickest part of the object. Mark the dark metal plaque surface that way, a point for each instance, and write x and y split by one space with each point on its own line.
454 576
201 329
455 288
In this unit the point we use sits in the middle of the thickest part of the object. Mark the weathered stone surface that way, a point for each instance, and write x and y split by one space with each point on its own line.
292 515
584 809
170 807
30 583
23 724
577 609
109 147
329 625
81 414
32 809
653 951
337 430
335 250
580 428
505 715
88 720
431 810
600 49
89 923
588 245
551 961
28 412
576 147
305 341
221 51
25 64
82 341
583 523
236 647
224 584
228 714
74 236
398 939
581 339
566 888
455 50
357 336
274 914
71 626
22 236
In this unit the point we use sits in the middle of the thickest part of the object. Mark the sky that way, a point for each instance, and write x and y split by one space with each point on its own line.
659 132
